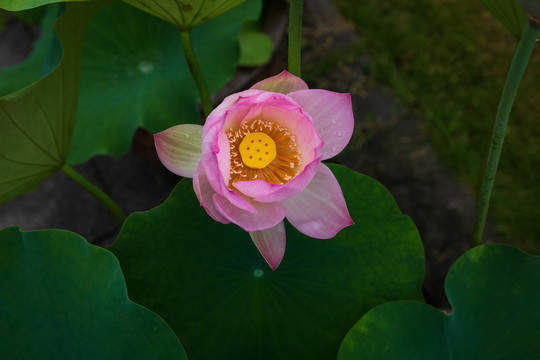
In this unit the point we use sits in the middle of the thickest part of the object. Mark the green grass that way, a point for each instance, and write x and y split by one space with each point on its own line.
447 60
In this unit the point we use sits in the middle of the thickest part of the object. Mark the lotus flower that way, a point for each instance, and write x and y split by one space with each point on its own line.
257 160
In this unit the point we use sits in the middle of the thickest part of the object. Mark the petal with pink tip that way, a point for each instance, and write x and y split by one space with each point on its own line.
209 159
320 210
271 244
267 216
263 191
218 114
204 193
284 83
179 148
332 117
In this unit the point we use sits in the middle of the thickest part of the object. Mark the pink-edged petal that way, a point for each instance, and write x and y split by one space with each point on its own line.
267 216
223 155
320 210
179 148
265 192
271 244
332 117
283 82
204 193
210 153
299 123
218 114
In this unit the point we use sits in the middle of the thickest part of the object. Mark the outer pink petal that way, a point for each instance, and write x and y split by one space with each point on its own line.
320 210
262 191
332 117
211 152
267 216
284 83
204 193
179 148
271 244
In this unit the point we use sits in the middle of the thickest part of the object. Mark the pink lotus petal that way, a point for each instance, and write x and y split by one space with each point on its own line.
216 170
243 110
271 244
222 150
299 124
217 183
320 210
267 215
284 83
205 194
218 114
265 192
332 117
179 148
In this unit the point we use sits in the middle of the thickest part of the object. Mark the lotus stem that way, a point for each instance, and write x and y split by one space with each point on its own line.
97 192
196 73
295 37
513 79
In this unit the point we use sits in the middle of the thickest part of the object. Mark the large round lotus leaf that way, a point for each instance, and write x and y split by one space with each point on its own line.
495 294
212 286
17 5
134 74
37 122
16 77
185 14
62 298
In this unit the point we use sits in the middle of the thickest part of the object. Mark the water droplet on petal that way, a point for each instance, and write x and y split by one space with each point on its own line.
145 67
340 133
334 121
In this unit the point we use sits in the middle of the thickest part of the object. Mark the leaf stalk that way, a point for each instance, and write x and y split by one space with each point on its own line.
513 79
295 37
97 192
196 73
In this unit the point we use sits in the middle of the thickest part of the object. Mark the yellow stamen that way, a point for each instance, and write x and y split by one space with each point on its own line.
257 150
279 168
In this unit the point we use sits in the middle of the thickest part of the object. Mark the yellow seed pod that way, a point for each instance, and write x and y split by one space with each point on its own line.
257 150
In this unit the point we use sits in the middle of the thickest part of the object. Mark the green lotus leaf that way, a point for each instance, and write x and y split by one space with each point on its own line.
135 75
63 298
16 77
494 291
255 48
185 14
37 121
17 5
209 282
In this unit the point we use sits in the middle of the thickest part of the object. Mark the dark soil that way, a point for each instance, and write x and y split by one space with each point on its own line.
388 145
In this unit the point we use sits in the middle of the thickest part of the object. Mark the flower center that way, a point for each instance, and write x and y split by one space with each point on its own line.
282 163
257 150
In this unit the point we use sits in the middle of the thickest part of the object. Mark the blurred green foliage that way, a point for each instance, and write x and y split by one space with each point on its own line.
447 60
